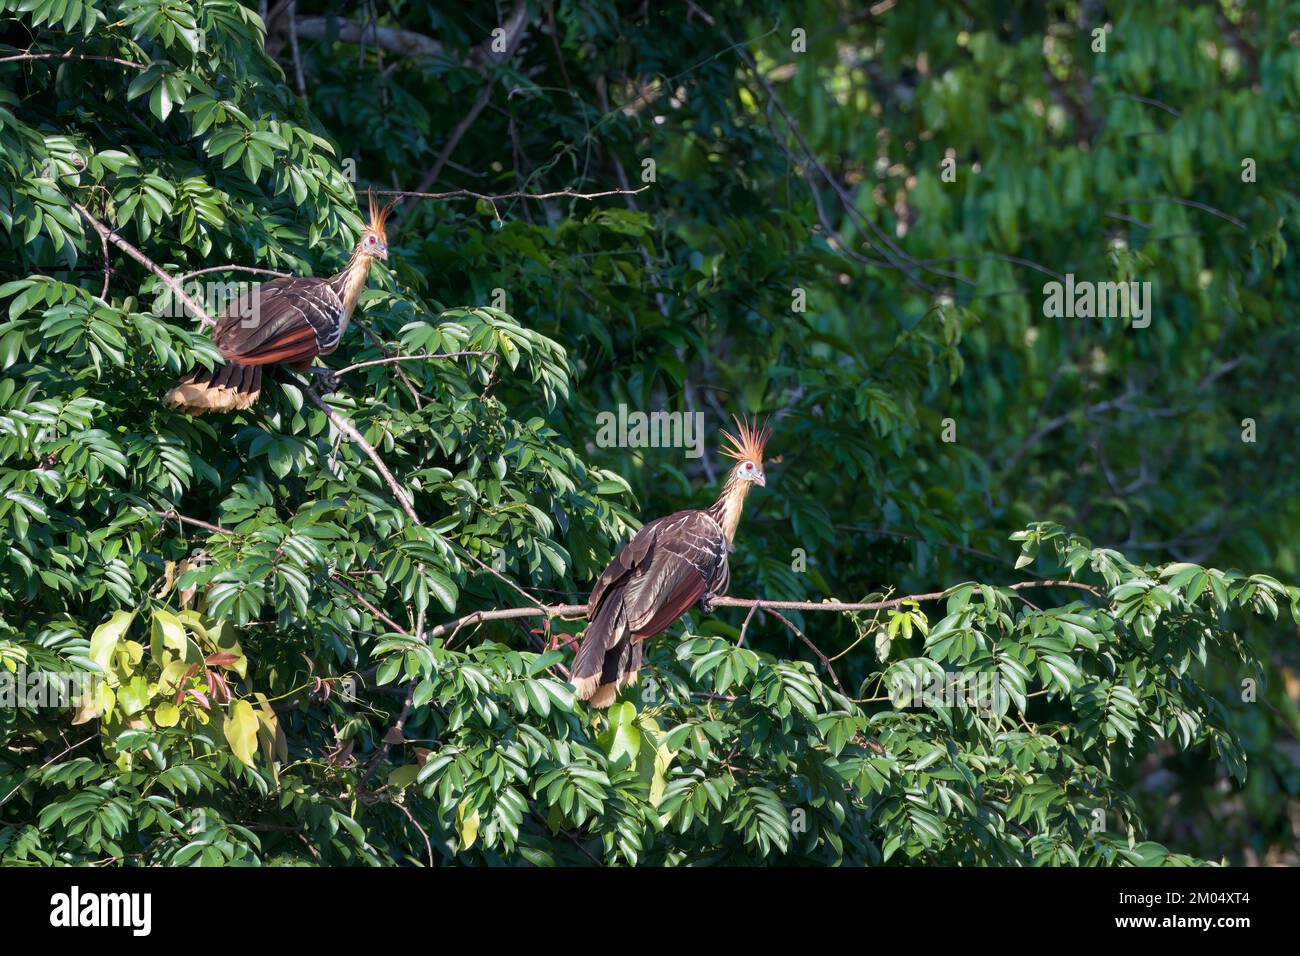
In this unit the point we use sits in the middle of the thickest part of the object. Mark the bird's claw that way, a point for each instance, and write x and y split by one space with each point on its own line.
706 604
326 378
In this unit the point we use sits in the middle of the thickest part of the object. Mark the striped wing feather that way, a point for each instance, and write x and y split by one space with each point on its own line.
282 321
665 569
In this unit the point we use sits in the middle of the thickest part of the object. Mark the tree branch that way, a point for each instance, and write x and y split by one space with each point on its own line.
73 56
231 267
391 39
1191 204
140 257
378 343
403 499
350 430
407 358
815 649
500 197
174 515
361 598
32 776
577 611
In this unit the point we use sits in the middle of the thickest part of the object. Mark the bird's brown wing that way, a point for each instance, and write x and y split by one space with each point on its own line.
282 321
668 566
688 558
632 556
664 569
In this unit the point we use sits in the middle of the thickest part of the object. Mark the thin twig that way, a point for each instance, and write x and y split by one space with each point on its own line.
407 358
108 269
174 515
500 197
293 48
427 845
234 268
744 627
815 649
397 628
1192 203
513 32
73 56
32 776
378 343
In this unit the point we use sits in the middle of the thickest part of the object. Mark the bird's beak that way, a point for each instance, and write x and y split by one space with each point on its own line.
382 253
761 479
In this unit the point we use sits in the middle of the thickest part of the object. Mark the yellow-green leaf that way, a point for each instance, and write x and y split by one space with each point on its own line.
166 715
466 825
241 730
104 641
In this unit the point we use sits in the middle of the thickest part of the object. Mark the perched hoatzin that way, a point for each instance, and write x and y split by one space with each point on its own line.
671 564
282 322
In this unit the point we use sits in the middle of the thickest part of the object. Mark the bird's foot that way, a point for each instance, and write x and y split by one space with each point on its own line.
706 603
326 378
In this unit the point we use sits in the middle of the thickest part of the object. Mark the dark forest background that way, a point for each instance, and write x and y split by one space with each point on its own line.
839 215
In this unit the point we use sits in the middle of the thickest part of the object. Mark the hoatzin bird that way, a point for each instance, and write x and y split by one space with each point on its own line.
671 564
282 322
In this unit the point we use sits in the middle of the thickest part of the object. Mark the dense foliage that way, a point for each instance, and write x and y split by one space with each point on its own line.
257 600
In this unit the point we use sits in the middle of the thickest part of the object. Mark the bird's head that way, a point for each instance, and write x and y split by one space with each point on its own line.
374 241
747 448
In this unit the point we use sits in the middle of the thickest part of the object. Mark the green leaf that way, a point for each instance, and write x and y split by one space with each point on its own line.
103 643
240 728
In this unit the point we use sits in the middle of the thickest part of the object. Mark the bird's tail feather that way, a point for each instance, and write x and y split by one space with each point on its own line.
609 657
622 664
230 387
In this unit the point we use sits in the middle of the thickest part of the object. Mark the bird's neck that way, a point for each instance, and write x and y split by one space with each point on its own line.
726 510
352 281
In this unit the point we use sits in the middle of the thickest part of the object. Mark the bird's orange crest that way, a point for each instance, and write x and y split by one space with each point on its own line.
378 217
749 446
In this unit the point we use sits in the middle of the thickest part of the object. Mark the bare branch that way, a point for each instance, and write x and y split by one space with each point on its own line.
470 194
361 598
1191 203
514 32
174 515
140 257
73 56
231 267
21 783
815 649
350 430
579 611
407 358
293 47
